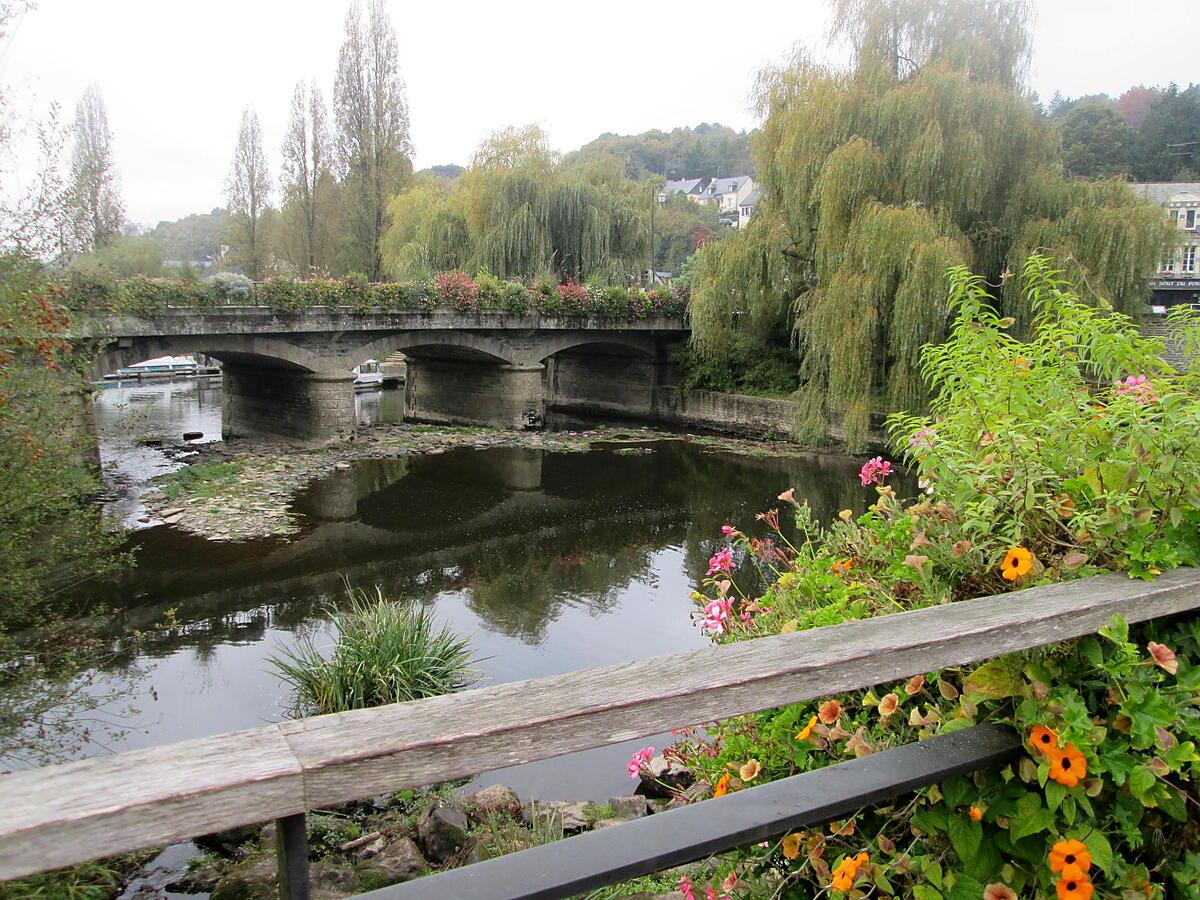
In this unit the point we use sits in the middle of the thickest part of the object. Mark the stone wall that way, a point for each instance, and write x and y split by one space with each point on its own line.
277 402
474 392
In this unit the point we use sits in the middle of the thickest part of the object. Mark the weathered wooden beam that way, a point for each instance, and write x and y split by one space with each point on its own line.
679 836
370 751
66 814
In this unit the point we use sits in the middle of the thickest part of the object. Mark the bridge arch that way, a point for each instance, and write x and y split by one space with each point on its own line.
640 344
232 349
454 344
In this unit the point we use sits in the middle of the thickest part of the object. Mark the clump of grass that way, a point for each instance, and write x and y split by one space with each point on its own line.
199 480
386 652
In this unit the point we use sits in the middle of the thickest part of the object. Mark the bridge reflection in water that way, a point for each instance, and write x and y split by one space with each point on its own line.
548 561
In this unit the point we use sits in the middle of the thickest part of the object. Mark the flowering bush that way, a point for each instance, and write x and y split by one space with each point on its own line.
456 289
144 296
1068 453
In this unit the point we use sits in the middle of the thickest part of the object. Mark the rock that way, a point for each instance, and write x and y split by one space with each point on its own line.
657 805
496 798
173 511
255 878
172 519
266 837
551 814
342 465
399 860
609 823
227 842
631 807
442 830
193 435
329 881
665 777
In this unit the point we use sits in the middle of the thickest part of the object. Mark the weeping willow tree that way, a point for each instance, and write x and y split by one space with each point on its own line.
926 152
519 212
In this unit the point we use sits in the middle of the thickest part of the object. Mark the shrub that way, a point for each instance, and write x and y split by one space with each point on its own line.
490 290
574 298
456 289
516 298
385 652
546 297
230 288
1066 454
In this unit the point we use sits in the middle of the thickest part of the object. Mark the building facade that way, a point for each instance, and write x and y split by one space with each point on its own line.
727 194
1178 277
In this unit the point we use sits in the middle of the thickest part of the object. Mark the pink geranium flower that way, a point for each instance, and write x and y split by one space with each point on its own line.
1138 387
715 617
721 561
875 471
639 759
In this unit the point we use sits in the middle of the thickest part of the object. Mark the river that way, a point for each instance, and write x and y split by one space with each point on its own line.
546 561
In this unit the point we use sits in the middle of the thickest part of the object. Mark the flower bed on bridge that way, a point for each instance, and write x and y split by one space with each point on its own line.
1068 453
143 295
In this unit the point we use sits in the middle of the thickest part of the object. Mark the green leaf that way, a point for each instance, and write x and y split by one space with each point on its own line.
993 681
1117 630
925 892
1054 794
1038 820
1172 802
957 792
1100 849
965 836
965 888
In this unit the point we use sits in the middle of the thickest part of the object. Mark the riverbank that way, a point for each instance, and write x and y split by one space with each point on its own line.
242 489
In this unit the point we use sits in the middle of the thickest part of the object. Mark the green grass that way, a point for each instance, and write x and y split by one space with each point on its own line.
386 652
99 880
199 480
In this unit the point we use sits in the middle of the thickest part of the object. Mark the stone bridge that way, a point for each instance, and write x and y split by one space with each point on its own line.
290 375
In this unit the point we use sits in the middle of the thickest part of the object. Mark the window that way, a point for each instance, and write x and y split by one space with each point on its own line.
1168 263
1189 259
1189 219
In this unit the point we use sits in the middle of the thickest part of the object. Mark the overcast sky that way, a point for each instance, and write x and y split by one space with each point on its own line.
175 76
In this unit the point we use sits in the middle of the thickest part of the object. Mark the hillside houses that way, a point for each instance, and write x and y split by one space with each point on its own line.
729 195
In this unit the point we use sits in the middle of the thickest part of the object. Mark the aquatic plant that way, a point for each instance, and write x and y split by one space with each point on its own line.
385 652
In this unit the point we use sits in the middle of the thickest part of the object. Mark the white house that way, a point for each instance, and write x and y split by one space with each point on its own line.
726 193
746 207
1178 278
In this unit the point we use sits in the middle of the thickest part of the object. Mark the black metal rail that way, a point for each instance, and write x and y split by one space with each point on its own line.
690 833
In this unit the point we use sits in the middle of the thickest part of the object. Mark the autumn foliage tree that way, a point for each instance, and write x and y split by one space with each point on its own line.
927 152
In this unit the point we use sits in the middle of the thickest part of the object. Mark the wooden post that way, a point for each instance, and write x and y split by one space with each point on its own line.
291 848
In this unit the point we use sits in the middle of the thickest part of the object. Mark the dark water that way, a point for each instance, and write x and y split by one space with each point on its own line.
547 561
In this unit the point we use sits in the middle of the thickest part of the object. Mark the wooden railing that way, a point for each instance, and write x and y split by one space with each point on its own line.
67 814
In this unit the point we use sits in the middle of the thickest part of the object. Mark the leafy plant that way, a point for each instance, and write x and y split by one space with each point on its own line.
1063 454
385 652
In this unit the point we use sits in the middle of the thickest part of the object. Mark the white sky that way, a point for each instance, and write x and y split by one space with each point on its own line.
175 75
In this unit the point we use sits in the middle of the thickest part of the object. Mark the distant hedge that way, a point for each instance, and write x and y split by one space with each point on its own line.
451 290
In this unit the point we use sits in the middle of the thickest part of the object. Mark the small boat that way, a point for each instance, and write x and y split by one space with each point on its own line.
367 376
162 367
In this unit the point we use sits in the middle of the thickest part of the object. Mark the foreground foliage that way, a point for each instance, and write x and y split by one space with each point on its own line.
386 652
1066 454
924 154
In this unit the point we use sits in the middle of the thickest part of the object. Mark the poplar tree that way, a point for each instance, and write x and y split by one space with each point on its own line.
95 195
306 179
926 152
373 145
247 192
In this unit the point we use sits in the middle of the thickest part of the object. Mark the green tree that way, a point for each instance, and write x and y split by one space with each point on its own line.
128 255
1097 142
519 211
248 193
1169 140
306 182
95 195
374 149
925 153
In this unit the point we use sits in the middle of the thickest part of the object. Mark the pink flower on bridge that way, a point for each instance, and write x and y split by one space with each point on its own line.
639 759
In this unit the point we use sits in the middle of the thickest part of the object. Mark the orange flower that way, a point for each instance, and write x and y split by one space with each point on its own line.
791 845
803 733
842 567
722 786
1164 657
1067 766
999 892
1017 562
1067 854
1043 739
888 705
1074 888
750 770
914 685
975 813
829 712
846 872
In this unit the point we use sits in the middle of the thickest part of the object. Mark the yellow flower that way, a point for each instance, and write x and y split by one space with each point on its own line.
1017 562
750 770
803 733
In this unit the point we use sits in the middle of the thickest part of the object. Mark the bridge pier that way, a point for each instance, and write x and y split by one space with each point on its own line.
268 401
467 391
